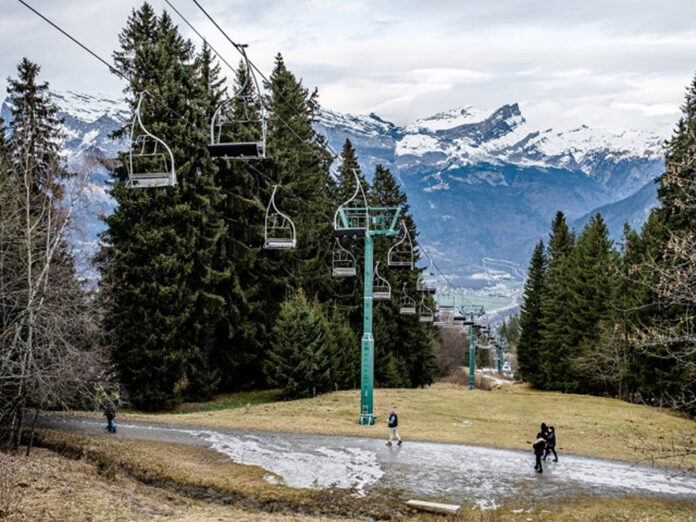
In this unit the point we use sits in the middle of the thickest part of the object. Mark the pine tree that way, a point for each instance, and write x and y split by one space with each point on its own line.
406 339
299 360
591 276
345 361
554 304
158 263
349 291
529 364
35 137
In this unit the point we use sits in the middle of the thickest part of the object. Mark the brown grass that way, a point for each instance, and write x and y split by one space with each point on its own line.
59 488
128 480
504 418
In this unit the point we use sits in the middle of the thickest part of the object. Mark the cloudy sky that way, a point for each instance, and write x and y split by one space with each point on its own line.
610 63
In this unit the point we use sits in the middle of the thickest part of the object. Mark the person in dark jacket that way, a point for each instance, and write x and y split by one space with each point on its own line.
544 430
110 414
539 446
393 423
551 444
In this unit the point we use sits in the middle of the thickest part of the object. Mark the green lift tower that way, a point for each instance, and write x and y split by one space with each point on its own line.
367 222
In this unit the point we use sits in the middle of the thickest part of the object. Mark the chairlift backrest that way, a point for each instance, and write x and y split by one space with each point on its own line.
352 217
425 312
343 262
407 305
381 289
150 160
244 113
279 230
401 253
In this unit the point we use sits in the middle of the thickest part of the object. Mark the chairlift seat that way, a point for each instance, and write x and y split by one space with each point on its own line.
425 319
159 179
349 232
241 150
280 243
407 310
399 264
344 271
381 296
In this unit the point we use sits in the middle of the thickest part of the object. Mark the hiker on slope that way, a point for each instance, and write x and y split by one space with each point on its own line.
393 422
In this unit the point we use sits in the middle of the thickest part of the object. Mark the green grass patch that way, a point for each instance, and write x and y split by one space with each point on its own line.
231 401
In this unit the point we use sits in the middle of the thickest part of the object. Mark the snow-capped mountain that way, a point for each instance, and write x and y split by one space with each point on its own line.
480 182
487 183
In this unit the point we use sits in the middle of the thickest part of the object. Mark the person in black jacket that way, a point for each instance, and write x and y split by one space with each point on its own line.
551 444
539 445
110 414
393 422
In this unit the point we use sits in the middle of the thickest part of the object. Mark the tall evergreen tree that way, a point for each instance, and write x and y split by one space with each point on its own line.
299 360
158 262
554 301
35 137
592 275
529 363
397 336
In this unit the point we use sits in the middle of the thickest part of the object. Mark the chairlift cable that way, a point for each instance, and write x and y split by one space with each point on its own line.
240 49
133 84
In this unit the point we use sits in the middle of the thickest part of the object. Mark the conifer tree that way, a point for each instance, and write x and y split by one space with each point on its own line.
348 291
529 364
554 301
158 263
406 339
299 360
591 276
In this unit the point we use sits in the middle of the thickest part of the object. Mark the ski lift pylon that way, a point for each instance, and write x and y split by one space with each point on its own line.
407 305
401 253
250 120
150 160
349 219
343 262
381 289
279 230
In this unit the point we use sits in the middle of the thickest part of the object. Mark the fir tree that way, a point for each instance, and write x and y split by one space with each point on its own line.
592 273
299 360
158 263
554 303
409 341
529 364
35 137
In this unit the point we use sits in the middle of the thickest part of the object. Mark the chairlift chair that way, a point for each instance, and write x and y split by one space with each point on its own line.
429 281
381 289
279 230
243 113
407 305
352 218
425 313
400 255
343 262
150 160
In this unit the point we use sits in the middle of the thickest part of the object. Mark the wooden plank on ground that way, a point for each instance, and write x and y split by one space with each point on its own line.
434 507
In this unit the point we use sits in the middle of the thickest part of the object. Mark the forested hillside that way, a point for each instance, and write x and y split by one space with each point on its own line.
617 319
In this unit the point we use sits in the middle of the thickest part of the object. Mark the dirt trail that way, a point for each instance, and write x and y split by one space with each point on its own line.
455 473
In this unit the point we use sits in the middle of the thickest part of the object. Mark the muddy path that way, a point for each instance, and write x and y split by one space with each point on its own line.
461 474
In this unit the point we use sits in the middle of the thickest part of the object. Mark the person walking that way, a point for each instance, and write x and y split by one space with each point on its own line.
539 446
551 444
110 414
393 423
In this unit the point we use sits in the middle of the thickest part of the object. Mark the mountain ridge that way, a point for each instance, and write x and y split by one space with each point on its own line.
478 181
